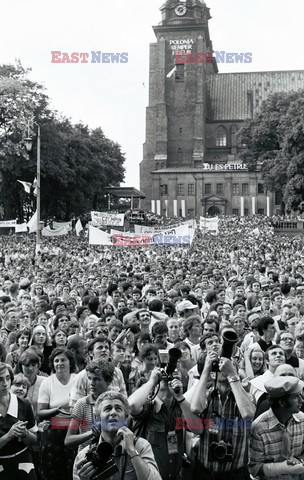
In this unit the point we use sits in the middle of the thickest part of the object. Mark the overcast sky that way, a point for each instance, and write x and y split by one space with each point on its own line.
114 96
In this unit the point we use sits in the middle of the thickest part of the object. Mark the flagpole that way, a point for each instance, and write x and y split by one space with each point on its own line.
38 192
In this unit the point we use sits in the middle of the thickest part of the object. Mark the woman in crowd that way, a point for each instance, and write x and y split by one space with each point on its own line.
149 357
41 342
21 344
239 325
17 431
53 404
141 339
29 364
20 385
59 338
254 365
185 363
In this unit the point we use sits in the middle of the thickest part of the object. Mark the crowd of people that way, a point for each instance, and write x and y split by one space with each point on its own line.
153 362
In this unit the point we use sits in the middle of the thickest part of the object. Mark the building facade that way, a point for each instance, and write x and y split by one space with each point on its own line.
191 163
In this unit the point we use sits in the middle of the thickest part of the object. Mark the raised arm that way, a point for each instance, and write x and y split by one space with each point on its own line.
138 399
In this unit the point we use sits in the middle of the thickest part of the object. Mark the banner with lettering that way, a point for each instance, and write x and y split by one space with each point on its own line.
103 218
8 223
209 224
159 228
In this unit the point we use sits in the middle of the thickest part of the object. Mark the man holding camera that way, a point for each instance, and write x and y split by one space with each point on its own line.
119 454
154 418
223 409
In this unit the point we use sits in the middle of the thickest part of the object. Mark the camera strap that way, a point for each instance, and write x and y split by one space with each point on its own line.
123 472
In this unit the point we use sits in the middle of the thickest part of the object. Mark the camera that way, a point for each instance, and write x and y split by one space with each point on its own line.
220 452
101 456
230 337
174 356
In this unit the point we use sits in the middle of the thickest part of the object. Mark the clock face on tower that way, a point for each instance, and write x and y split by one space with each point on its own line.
180 10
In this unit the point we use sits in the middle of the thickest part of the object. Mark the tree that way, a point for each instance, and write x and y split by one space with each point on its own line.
274 141
77 163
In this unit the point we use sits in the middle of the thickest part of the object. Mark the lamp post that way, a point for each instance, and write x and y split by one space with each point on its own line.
29 144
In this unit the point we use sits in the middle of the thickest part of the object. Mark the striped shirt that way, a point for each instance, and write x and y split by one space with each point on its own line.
269 438
237 436
83 413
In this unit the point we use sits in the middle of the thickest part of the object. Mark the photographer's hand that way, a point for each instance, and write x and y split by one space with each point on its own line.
85 470
226 367
210 358
155 376
128 439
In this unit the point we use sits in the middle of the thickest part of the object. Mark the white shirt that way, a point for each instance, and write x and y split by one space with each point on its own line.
54 393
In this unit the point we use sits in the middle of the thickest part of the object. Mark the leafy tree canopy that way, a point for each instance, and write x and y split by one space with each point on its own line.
77 163
274 141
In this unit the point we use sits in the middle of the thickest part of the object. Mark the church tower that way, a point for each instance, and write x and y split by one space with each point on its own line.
175 117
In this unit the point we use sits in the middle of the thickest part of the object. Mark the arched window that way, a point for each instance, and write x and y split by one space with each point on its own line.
179 156
221 137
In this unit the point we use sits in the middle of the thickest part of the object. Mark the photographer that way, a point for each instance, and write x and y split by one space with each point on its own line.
132 457
223 442
155 419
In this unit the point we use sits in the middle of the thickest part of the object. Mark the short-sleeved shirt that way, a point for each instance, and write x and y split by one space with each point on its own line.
81 387
266 446
54 393
18 409
157 426
124 463
83 414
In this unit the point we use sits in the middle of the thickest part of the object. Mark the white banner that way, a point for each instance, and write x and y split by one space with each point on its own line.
143 229
66 225
209 224
159 228
176 235
103 218
98 237
32 223
8 223
56 232
78 227
191 223
21 227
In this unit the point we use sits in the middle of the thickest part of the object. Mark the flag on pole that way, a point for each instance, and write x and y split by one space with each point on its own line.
78 227
35 187
26 185
171 72
32 223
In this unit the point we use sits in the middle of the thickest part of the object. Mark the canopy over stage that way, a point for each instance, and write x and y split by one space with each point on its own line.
126 192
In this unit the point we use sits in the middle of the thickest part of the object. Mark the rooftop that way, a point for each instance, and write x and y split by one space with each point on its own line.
125 192
238 96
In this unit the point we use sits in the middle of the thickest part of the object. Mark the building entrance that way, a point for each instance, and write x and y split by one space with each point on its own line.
213 211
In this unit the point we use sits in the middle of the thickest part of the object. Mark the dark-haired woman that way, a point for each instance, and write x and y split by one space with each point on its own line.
53 404
41 342
22 342
59 338
29 363
17 431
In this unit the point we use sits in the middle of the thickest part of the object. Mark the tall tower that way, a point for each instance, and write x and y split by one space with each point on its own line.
175 117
